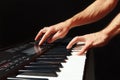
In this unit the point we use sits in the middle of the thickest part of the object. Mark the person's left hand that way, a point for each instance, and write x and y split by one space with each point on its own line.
91 40
52 33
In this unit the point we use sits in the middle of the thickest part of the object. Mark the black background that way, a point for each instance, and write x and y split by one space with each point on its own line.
20 20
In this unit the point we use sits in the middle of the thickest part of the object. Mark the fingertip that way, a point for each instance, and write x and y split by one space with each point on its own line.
39 43
38 36
35 38
80 53
68 47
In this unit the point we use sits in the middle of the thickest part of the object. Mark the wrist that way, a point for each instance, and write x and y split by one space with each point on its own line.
62 25
68 24
107 34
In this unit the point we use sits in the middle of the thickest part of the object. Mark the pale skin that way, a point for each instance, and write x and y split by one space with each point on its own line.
94 12
99 38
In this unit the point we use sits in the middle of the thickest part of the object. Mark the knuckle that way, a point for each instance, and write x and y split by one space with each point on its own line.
76 38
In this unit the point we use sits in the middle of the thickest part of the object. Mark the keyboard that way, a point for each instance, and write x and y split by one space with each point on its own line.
46 62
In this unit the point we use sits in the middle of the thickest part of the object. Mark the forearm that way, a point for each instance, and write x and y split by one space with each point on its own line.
92 13
113 28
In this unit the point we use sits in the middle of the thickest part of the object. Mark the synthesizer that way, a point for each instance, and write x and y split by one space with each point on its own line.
47 62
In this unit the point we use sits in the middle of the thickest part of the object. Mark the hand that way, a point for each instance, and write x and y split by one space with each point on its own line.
91 40
52 33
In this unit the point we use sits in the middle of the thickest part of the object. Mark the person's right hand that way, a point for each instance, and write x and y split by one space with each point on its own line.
52 33
91 40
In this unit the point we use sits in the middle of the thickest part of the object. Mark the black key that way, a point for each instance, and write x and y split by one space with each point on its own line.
52 68
53 56
43 66
50 62
58 49
38 71
45 63
58 53
53 74
37 64
16 78
51 59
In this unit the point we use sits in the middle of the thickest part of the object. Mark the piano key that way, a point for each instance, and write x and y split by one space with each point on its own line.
51 59
15 78
53 56
58 53
40 70
54 68
53 74
51 62
58 49
46 63
74 67
42 66
37 71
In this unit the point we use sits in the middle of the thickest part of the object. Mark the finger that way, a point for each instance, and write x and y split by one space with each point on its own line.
85 48
72 42
53 38
39 35
45 37
56 36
